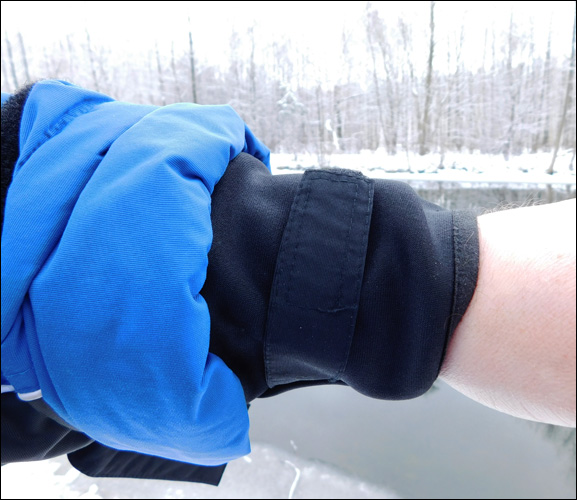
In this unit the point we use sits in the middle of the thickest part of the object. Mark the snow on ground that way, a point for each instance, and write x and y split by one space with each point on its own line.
452 167
267 472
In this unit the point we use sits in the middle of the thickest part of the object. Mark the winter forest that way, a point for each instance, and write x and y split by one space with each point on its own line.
400 87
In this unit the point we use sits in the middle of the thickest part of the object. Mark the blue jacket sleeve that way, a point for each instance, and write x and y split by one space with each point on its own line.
105 240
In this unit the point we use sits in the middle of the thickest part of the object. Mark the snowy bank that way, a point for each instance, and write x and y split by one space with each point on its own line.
467 168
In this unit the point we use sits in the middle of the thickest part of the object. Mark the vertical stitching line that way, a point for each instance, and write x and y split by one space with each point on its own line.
360 260
281 270
298 240
349 248
457 251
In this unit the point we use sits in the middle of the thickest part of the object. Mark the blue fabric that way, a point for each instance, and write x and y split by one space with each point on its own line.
5 97
104 252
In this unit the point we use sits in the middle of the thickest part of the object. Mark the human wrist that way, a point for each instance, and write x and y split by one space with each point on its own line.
514 350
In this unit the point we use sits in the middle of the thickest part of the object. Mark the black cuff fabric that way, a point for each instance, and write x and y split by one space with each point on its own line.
29 435
97 460
288 255
32 431
412 295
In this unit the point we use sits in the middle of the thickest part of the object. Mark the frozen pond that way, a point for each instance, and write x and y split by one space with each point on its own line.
441 445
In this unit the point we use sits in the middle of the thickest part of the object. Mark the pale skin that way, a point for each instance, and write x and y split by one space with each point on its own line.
514 349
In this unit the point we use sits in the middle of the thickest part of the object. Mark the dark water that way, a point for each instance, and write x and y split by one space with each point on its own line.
441 445
489 197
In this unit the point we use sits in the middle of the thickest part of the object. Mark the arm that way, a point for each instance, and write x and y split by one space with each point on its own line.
514 350
328 277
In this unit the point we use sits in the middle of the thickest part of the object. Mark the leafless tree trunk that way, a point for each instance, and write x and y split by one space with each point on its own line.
457 111
321 126
370 27
337 110
252 76
514 84
152 98
424 128
493 117
92 63
24 59
160 76
173 64
566 102
545 101
71 62
4 74
11 60
192 68
391 89
485 131
411 97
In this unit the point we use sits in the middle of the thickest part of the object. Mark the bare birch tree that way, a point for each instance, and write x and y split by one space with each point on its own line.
192 67
566 102
160 75
424 125
371 26
92 61
24 58
11 59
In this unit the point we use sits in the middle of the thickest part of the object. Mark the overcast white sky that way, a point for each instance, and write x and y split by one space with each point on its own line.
212 20
315 25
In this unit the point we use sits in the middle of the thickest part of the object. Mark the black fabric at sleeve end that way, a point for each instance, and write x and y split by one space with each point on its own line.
97 460
466 258
406 298
11 115
33 431
30 435
266 299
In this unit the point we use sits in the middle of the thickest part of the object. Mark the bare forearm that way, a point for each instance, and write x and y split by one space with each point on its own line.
514 350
